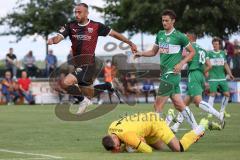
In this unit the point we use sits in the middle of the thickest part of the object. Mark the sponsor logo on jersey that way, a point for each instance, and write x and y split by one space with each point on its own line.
217 61
163 47
90 30
168 39
82 37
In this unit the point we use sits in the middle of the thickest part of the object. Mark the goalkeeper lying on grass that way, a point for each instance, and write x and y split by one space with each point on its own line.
142 132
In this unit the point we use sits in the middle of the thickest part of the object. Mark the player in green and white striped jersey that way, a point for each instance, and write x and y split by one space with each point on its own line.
196 83
217 76
169 43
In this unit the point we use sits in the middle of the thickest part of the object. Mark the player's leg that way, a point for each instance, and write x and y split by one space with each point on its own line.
179 119
166 136
213 90
185 111
166 88
226 95
187 140
159 104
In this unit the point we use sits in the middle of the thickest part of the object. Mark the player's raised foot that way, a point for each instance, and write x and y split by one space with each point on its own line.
83 105
227 115
205 123
200 132
210 115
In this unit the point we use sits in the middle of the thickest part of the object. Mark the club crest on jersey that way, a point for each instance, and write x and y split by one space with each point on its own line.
168 39
90 30
75 30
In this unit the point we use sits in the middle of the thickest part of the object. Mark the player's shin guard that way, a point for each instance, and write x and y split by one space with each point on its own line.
188 116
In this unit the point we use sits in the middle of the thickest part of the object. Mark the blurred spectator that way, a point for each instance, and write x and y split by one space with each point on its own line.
229 47
109 75
148 88
236 58
9 88
24 87
131 87
11 62
29 64
51 62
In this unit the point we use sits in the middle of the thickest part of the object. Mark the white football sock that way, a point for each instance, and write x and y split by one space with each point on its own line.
224 103
169 119
208 108
211 100
176 125
199 130
188 115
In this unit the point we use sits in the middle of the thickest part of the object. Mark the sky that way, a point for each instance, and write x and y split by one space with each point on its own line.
37 44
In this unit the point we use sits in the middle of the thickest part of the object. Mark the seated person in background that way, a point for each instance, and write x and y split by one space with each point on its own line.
143 131
9 88
29 64
148 88
24 87
131 86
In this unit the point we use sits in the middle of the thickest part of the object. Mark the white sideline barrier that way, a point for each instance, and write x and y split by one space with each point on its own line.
44 94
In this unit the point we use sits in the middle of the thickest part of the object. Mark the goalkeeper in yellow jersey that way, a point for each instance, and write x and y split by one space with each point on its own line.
145 131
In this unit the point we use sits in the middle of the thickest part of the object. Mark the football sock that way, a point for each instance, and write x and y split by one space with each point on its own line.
224 103
208 108
191 137
188 115
179 121
211 100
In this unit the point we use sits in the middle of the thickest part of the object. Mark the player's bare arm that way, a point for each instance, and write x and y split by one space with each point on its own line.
228 70
149 53
186 59
208 66
54 40
124 39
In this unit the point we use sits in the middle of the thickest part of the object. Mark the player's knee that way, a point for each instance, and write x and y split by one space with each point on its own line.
226 94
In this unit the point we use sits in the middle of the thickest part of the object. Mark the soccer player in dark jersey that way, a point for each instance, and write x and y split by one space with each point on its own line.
83 34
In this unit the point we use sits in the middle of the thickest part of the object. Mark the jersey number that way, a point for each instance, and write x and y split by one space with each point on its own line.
202 58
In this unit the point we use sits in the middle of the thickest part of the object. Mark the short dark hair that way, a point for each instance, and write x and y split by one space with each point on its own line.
217 39
82 4
108 143
170 13
191 32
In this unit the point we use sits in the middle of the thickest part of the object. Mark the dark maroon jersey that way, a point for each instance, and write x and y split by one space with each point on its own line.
84 38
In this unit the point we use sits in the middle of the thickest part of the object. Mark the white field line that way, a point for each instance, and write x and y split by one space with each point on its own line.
30 154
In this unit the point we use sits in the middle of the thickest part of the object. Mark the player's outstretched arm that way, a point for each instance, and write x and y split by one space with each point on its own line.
228 70
149 53
54 40
124 39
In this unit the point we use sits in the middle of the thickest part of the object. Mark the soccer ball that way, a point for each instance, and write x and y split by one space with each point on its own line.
130 149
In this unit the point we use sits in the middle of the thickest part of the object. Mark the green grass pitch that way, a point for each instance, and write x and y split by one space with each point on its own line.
34 132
